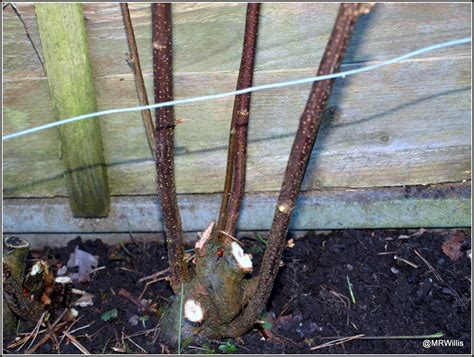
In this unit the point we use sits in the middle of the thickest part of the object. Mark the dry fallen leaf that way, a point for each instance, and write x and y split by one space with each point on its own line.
45 299
85 300
452 247
86 263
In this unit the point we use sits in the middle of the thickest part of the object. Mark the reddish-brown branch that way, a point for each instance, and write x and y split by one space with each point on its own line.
237 150
300 153
134 60
164 141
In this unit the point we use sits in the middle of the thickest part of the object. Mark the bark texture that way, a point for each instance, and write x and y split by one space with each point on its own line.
234 185
223 303
27 297
15 303
164 142
219 287
300 153
134 60
219 291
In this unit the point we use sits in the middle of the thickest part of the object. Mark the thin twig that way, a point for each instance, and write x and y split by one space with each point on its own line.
144 332
287 305
79 328
122 245
76 343
134 60
52 329
339 341
136 344
130 233
415 337
97 269
28 335
413 265
34 333
430 267
343 298
150 283
154 275
69 329
105 346
30 39
125 294
231 237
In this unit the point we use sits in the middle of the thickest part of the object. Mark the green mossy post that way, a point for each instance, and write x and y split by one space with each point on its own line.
65 51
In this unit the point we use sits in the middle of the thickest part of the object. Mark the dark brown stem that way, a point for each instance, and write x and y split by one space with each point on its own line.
237 150
300 153
62 293
134 60
164 142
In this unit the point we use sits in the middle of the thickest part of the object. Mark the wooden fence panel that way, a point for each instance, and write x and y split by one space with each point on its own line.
406 124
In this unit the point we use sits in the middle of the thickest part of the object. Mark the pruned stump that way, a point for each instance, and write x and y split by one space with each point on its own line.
27 297
215 295
14 264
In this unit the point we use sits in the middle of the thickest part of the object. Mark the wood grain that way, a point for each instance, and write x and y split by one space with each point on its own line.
72 93
402 125
291 36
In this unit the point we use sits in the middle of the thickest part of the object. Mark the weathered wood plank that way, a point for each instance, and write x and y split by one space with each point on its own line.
208 36
72 92
436 206
406 124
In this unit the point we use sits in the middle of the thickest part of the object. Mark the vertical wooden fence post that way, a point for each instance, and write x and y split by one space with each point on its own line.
65 51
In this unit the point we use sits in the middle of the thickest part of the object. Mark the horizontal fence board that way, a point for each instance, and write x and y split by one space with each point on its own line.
404 124
434 206
208 37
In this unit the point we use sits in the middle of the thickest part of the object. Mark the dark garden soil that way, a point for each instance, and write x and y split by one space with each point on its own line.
311 302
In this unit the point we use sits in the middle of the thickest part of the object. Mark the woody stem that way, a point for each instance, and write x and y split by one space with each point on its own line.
164 142
237 150
299 156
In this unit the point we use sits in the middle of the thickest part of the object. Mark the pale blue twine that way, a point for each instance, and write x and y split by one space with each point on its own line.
242 91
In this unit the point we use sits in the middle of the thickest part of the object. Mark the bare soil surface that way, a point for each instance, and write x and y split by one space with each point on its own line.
343 284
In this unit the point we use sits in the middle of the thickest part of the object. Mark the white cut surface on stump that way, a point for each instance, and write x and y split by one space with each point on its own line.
193 311
206 235
36 269
243 260
63 280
